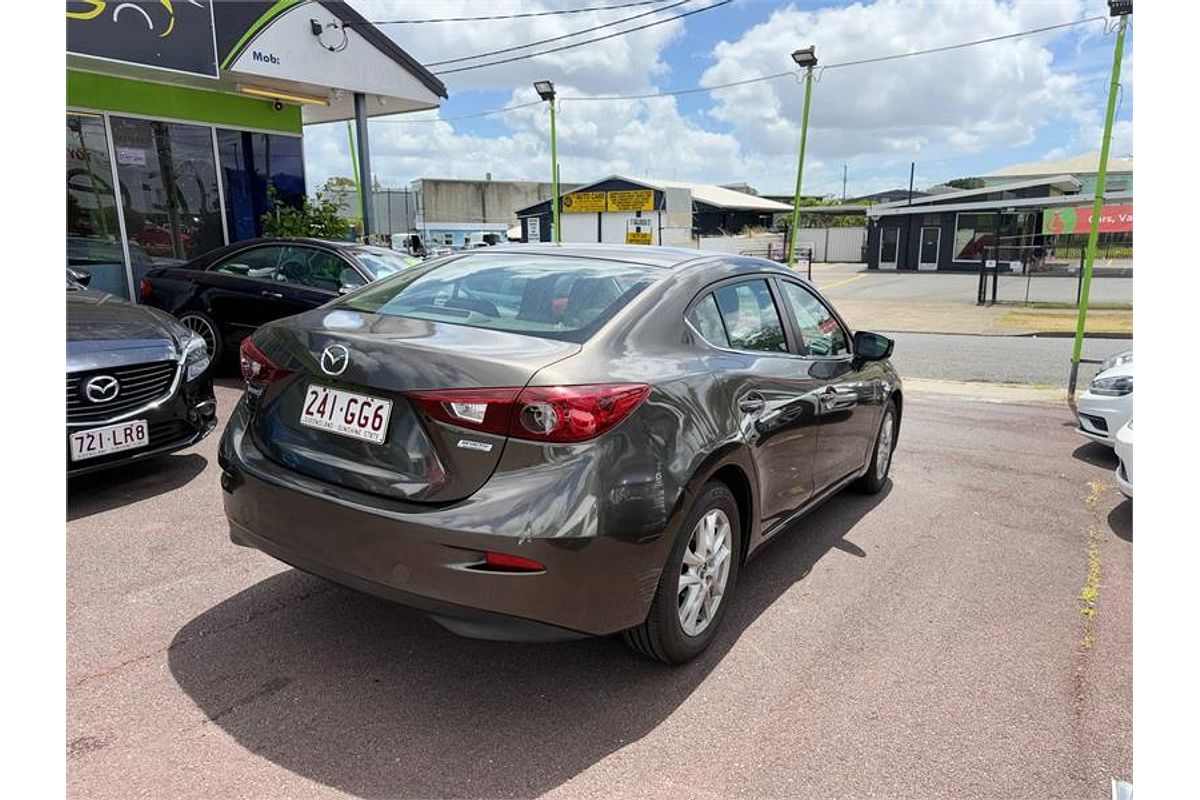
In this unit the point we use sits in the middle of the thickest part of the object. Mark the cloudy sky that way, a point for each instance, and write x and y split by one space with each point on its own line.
955 114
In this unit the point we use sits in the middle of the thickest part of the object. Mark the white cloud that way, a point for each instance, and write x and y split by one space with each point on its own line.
935 110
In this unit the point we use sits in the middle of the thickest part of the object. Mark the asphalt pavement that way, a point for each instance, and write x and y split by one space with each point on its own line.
925 642
1044 360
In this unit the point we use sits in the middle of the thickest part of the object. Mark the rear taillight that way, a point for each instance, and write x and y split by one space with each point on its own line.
503 562
560 414
257 369
145 289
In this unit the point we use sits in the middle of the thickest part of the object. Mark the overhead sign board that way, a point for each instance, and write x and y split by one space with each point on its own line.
1078 219
639 230
178 36
584 202
632 200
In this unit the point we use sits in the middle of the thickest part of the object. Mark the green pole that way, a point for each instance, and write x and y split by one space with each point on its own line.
1097 206
554 173
354 165
791 259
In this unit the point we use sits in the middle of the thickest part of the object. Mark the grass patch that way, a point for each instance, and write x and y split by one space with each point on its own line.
1064 320
1090 592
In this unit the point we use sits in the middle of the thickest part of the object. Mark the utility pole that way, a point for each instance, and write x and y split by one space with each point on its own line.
806 58
843 183
545 90
1122 9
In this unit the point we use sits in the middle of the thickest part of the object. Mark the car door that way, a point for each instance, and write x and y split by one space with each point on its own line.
849 401
773 398
308 277
241 289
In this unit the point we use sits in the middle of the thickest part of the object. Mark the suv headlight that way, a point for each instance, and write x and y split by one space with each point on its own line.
1113 387
195 356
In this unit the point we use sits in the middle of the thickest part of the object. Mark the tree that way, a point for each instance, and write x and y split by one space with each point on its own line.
318 219
339 184
966 183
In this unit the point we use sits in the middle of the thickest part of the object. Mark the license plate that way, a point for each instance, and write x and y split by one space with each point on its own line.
109 439
358 416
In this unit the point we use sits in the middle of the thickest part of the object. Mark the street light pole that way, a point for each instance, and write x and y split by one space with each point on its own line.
807 58
1122 9
545 90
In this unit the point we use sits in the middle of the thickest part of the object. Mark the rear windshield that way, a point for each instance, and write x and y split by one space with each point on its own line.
549 296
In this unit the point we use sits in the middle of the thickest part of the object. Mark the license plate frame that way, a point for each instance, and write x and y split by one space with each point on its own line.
104 440
326 408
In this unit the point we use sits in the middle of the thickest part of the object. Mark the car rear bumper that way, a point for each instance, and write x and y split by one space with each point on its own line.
184 419
431 556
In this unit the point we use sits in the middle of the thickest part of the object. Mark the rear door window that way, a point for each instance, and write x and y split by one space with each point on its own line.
751 319
551 296
706 319
257 262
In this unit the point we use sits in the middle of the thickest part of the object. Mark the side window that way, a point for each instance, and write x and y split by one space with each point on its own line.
751 319
820 333
706 319
308 266
258 262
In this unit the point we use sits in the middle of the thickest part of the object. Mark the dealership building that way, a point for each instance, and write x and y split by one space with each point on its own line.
183 118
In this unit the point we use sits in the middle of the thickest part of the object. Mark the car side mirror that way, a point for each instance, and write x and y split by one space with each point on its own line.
872 346
349 280
80 276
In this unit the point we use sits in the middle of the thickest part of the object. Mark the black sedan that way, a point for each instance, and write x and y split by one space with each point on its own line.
136 381
227 293
546 441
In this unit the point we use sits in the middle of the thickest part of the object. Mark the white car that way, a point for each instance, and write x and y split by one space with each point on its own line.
1108 402
1124 448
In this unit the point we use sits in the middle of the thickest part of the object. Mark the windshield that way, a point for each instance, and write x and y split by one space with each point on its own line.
381 263
551 296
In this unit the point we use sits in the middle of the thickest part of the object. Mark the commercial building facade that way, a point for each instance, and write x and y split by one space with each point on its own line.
449 209
954 231
184 119
624 210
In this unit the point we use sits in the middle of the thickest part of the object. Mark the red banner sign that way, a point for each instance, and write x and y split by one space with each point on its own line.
1113 219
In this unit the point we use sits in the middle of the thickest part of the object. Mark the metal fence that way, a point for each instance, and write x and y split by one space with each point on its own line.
1039 275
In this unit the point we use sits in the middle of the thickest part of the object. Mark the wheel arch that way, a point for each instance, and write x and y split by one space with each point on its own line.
732 466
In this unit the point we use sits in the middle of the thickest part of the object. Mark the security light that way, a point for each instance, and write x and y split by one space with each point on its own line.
1119 8
806 56
545 89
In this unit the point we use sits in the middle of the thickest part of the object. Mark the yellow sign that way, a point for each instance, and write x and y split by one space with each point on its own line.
634 200
583 202
637 237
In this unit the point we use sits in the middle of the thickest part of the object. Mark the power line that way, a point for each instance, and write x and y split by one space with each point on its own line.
524 15
488 113
589 41
760 78
556 38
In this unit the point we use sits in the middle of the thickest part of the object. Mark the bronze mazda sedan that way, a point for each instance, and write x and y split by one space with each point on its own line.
540 441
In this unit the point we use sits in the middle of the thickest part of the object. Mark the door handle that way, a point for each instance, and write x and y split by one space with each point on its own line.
752 403
269 293
832 399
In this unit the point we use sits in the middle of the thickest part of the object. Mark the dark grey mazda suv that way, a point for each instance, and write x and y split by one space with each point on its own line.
538 441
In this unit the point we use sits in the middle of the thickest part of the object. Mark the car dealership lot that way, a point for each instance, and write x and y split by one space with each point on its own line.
924 642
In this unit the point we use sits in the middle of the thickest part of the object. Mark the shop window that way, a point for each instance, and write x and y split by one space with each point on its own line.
972 233
168 179
93 230
251 164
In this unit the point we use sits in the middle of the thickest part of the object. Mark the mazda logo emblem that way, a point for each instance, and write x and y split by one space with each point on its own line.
101 388
335 359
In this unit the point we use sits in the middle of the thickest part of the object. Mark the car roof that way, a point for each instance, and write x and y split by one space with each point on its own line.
666 257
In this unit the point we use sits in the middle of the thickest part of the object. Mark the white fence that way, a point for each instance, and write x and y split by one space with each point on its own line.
827 244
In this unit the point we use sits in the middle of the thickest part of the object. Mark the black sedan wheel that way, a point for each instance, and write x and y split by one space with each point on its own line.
696 584
202 325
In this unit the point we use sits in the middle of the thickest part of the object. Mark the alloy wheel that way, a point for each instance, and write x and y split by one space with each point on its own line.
201 328
883 453
704 572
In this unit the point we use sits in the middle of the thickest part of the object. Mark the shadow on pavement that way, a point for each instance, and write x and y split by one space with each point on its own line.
1120 520
375 700
1097 455
102 491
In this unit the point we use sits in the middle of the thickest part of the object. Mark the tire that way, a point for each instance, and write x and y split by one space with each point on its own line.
662 635
203 324
877 475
